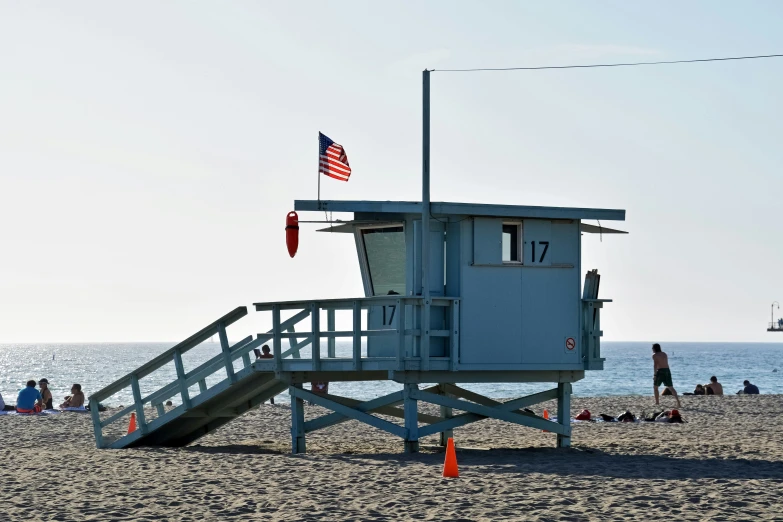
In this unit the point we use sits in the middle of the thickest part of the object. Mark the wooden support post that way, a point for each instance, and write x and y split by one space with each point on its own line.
445 413
410 405
226 348
357 336
331 342
183 385
298 444
96 423
246 360
564 413
202 385
141 423
315 316
277 348
160 409
400 334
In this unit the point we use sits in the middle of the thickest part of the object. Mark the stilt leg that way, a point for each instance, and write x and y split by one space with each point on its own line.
410 406
564 412
297 424
445 413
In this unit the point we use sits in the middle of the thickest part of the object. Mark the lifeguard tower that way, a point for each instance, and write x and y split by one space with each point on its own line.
455 293
505 305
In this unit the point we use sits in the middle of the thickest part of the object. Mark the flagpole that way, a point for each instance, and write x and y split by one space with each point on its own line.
318 171
425 219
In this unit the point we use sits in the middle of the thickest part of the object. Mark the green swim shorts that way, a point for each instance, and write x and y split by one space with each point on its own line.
663 376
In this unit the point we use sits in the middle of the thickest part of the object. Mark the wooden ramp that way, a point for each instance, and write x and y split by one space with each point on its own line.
209 395
206 416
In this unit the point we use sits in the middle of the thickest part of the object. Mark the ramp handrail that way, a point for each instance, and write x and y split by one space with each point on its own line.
222 361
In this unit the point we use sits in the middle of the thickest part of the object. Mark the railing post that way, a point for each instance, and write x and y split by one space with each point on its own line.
315 316
426 323
226 348
140 420
293 344
183 386
330 347
202 385
454 352
597 315
400 334
357 335
276 344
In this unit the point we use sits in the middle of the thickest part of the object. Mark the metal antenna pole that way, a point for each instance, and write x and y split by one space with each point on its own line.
425 221
425 187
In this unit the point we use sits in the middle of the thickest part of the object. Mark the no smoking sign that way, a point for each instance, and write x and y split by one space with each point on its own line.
570 344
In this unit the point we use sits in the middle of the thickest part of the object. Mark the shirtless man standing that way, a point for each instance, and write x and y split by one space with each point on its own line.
662 374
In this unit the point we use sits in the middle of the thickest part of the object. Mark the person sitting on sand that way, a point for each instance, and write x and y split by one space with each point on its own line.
46 394
29 399
699 390
750 389
662 374
76 400
714 387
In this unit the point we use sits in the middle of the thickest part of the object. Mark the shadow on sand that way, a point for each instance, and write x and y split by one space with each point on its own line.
590 462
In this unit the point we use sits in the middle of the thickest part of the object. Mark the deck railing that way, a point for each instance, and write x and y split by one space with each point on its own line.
407 309
591 319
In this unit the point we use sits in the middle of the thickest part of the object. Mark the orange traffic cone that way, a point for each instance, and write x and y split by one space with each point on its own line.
450 464
546 416
132 424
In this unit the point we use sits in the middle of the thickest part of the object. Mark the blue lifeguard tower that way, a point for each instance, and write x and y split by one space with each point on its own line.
455 293
505 304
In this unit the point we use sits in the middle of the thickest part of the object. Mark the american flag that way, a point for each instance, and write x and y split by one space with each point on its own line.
332 160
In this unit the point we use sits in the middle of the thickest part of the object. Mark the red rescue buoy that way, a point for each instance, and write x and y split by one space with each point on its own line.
292 233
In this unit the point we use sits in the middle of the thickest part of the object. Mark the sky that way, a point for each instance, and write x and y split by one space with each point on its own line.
149 152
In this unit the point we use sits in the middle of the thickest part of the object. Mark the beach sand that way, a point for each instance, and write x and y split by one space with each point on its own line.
725 463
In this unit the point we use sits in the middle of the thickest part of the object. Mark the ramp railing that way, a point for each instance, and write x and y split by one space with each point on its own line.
221 365
412 341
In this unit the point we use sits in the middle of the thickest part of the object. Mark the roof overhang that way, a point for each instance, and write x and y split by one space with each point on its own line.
461 209
593 229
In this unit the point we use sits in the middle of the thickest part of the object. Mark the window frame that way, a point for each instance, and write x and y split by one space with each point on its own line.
519 233
364 259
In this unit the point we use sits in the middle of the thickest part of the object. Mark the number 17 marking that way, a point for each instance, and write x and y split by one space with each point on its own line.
533 251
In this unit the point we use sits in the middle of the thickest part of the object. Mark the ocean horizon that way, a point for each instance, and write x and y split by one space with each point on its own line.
627 370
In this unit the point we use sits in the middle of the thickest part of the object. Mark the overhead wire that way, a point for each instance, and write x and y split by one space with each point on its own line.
625 64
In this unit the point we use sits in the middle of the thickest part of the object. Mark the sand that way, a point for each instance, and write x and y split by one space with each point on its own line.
725 463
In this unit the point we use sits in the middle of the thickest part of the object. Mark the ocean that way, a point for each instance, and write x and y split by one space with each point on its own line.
628 369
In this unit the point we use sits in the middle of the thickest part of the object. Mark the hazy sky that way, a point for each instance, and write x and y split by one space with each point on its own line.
149 151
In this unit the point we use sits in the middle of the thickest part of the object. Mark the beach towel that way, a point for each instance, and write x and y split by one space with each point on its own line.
44 412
